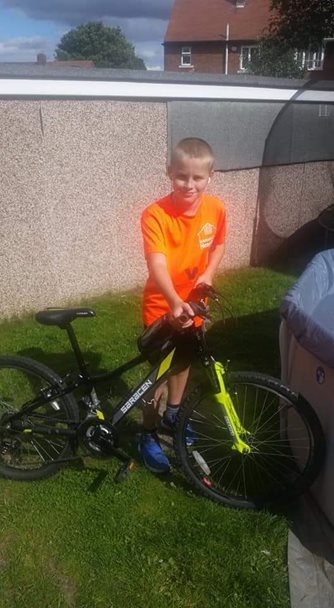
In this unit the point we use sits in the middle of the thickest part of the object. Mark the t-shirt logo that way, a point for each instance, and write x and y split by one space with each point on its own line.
206 235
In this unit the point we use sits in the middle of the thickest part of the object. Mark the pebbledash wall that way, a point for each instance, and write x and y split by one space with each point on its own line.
79 160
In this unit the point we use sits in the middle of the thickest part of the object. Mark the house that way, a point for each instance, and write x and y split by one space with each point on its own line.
214 35
219 36
74 63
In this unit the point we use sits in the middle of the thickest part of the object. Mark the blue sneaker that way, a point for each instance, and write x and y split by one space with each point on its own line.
169 425
153 457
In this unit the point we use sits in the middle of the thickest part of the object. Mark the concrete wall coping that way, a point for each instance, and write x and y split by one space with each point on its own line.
83 88
32 71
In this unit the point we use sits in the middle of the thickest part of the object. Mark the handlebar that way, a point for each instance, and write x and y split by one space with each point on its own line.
197 302
160 330
202 291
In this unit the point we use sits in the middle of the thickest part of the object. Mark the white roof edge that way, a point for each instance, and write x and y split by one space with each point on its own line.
10 87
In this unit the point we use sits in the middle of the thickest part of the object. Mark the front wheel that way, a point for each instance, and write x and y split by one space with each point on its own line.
29 453
287 445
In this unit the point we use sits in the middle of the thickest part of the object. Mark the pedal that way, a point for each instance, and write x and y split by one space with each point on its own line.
98 481
124 472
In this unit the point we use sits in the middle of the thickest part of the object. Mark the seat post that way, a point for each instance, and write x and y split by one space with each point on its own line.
76 349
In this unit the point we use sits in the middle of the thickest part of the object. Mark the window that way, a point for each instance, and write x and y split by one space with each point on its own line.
186 57
240 3
311 60
247 53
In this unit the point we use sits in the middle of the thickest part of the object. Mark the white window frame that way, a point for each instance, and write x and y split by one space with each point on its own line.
312 60
186 53
243 68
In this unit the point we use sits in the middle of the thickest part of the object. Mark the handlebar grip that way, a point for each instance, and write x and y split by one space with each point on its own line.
199 309
203 290
184 317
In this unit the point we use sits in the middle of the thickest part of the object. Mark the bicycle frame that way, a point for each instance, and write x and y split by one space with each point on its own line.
152 380
155 377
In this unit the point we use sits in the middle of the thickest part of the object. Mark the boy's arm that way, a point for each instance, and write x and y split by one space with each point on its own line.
157 266
215 258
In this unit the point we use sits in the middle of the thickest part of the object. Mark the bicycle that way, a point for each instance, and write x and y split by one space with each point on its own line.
254 443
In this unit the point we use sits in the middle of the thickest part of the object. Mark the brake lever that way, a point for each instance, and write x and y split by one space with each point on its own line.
205 290
200 309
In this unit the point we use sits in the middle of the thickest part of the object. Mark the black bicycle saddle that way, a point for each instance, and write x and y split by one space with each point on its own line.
62 316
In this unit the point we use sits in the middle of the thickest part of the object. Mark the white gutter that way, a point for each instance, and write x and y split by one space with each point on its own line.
19 87
227 37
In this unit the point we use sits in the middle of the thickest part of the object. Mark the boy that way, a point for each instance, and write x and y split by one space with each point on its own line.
183 237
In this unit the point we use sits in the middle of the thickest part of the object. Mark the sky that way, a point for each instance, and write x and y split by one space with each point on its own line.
28 27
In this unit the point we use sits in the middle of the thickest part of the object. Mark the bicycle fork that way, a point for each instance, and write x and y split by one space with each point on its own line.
233 423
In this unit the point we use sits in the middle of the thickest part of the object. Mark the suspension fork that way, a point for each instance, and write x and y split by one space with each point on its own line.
223 399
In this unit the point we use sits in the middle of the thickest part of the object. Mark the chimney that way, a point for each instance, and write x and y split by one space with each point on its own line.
41 59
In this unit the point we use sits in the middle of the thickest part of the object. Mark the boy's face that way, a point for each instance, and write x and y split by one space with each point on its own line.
190 177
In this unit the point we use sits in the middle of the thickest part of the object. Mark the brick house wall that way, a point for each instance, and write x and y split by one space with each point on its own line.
205 25
206 57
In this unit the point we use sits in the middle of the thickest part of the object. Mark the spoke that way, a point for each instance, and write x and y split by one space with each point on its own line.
234 477
268 473
22 387
259 416
220 420
225 469
214 461
198 414
244 479
44 448
202 438
280 441
206 448
56 447
265 422
7 405
34 443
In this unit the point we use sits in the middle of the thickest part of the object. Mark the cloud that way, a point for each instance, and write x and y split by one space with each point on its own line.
143 22
152 53
23 48
148 53
23 43
75 12
140 30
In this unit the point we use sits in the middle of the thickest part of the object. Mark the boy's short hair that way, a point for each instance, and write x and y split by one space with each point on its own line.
193 147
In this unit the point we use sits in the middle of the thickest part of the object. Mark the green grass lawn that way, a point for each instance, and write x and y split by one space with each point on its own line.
149 542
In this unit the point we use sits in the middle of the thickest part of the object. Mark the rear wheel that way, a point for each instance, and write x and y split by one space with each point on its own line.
25 452
284 434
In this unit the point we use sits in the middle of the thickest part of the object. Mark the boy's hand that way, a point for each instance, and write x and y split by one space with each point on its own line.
180 314
204 278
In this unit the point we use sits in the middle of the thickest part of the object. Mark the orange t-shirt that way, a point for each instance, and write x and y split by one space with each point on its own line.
186 242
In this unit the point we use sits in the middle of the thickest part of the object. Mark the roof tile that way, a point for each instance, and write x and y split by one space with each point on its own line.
193 20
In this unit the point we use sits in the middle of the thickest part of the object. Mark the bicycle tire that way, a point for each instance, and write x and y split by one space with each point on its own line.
28 455
282 465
